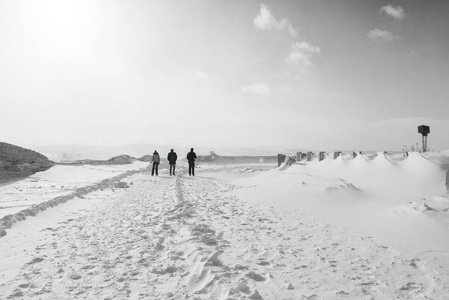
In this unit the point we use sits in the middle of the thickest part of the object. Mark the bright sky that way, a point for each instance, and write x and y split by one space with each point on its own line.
322 74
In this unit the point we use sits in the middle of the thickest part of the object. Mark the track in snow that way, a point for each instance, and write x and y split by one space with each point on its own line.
189 238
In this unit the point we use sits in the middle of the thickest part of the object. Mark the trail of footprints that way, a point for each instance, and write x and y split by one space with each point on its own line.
171 239
264 262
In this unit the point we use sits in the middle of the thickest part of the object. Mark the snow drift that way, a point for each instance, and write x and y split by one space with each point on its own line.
402 199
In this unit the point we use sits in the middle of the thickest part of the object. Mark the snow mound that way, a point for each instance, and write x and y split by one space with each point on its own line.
344 186
368 156
437 203
441 157
348 156
396 156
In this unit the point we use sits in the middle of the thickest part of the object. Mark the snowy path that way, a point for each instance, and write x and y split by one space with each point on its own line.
190 238
58 181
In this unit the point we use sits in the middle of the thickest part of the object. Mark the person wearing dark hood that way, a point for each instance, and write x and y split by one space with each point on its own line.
191 156
155 160
172 157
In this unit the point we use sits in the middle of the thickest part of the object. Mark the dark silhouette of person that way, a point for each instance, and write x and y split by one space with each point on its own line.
191 156
172 157
155 160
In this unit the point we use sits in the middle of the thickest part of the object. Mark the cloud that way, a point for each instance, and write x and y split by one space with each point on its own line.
201 75
266 21
301 53
285 88
257 89
395 12
381 35
412 53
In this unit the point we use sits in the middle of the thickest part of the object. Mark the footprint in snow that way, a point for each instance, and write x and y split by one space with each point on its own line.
24 285
256 277
75 277
36 260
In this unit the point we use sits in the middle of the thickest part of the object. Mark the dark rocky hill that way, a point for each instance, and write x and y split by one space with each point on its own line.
17 162
146 158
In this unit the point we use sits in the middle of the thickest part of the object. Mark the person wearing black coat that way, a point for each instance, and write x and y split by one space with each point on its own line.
172 157
191 156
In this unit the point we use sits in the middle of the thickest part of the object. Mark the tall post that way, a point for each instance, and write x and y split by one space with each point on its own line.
309 156
424 143
320 155
424 130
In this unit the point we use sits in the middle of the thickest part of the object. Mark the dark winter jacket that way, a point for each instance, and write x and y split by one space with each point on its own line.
172 157
191 156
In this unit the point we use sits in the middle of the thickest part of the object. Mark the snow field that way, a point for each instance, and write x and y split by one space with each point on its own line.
58 181
199 238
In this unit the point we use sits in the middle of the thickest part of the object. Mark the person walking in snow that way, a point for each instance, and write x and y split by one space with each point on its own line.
172 157
191 156
155 160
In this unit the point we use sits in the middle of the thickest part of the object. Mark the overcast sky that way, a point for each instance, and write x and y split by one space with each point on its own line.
321 74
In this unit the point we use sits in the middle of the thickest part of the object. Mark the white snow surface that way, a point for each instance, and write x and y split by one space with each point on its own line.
58 180
371 227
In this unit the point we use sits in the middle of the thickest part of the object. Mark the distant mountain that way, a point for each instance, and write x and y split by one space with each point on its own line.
60 153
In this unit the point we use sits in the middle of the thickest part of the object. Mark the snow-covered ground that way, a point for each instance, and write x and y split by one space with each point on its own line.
372 227
58 180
